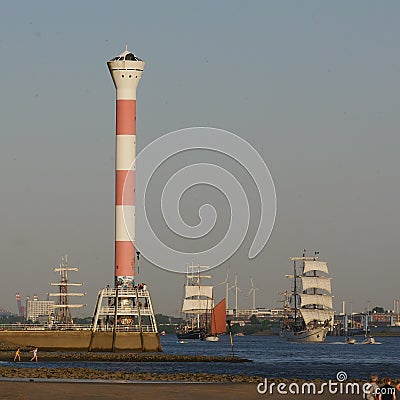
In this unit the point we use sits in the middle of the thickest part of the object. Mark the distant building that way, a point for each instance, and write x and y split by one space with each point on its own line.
4 313
242 315
38 308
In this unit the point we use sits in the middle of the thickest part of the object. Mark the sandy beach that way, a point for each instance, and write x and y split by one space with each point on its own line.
12 390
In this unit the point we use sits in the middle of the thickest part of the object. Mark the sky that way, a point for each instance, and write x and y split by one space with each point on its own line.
313 86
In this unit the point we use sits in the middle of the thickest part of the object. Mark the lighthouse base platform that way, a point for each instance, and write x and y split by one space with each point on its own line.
80 340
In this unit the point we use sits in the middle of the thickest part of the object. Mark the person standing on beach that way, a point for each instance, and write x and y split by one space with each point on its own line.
373 389
387 391
34 351
17 354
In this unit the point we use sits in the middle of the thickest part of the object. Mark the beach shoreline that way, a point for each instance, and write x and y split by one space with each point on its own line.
8 355
143 391
40 383
72 373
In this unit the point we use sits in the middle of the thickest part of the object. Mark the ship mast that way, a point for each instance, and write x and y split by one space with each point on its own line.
64 313
315 272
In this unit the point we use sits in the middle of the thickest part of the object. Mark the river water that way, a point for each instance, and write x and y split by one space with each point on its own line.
271 356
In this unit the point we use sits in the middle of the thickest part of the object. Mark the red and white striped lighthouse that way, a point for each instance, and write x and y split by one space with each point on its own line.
126 71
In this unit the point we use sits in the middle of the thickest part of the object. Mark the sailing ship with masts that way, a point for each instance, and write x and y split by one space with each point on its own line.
308 307
63 306
202 320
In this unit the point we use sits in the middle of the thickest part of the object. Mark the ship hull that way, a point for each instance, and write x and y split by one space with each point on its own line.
192 334
368 340
211 339
314 335
84 340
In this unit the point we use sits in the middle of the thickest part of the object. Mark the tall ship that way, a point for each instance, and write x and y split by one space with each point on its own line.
308 306
63 305
202 320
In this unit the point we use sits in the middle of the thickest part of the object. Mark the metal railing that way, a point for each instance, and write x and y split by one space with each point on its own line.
127 310
45 327
72 327
108 292
125 328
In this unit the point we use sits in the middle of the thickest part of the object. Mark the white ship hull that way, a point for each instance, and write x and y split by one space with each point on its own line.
314 335
369 340
211 339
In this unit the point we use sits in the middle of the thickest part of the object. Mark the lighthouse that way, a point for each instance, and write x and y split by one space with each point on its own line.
124 317
126 70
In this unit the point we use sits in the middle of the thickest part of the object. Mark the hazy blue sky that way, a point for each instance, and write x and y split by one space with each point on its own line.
314 86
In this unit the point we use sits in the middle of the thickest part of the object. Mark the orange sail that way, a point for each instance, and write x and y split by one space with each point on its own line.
218 318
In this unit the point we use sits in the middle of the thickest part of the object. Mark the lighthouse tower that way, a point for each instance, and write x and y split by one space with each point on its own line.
124 318
126 70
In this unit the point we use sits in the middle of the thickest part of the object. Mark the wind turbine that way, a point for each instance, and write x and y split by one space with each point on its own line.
237 289
226 283
254 290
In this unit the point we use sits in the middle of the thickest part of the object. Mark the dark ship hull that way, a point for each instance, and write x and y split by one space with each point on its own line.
196 334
